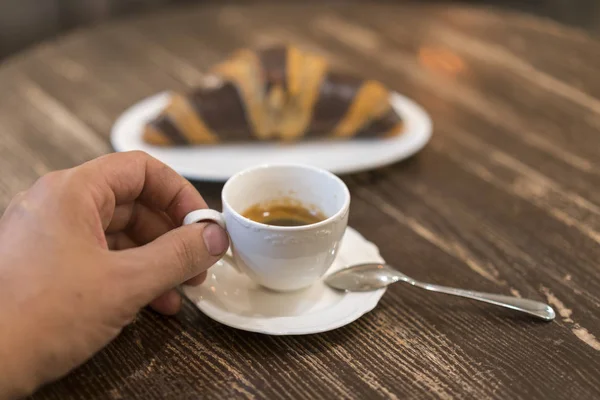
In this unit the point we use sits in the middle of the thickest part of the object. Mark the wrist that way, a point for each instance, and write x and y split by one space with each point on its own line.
18 339
15 379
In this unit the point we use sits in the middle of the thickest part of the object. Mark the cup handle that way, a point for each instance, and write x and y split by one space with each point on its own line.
213 216
205 215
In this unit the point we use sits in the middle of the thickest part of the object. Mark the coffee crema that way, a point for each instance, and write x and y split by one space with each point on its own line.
284 212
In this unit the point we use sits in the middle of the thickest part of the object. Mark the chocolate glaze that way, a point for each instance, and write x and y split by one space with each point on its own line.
380 126
336 94
222 111
165 125
274 63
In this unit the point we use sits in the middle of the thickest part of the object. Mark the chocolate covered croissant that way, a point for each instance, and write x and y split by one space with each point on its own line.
276 94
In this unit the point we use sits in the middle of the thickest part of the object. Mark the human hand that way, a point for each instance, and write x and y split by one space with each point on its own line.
82 251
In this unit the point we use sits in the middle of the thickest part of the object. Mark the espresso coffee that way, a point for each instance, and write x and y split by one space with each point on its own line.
284 212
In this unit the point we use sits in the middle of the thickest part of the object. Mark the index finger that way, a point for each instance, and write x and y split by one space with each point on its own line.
122 178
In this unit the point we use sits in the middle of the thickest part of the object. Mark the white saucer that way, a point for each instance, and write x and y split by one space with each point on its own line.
234 300
220 162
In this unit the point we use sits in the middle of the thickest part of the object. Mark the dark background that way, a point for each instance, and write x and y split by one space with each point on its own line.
25 22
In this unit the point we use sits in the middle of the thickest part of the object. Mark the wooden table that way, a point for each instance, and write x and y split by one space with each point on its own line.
506 198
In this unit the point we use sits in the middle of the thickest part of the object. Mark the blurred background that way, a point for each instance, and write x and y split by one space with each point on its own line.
25 22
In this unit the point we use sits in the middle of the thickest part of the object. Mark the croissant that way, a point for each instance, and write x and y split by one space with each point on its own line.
275 94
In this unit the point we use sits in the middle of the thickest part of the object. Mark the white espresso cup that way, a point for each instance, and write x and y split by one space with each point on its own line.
282 258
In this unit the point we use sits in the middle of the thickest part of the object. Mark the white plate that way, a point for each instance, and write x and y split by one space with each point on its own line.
220 162
234 300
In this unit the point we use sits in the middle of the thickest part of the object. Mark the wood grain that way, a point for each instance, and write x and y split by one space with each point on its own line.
504 199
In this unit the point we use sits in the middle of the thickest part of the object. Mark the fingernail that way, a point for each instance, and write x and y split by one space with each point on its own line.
215 239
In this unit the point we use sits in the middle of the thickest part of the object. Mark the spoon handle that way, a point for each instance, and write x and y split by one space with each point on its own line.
532 307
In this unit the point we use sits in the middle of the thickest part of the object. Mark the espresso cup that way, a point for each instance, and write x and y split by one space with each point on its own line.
282 258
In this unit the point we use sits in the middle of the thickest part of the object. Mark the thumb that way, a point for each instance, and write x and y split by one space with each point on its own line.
177 256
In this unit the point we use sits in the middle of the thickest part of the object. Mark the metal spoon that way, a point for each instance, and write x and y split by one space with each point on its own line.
372 276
